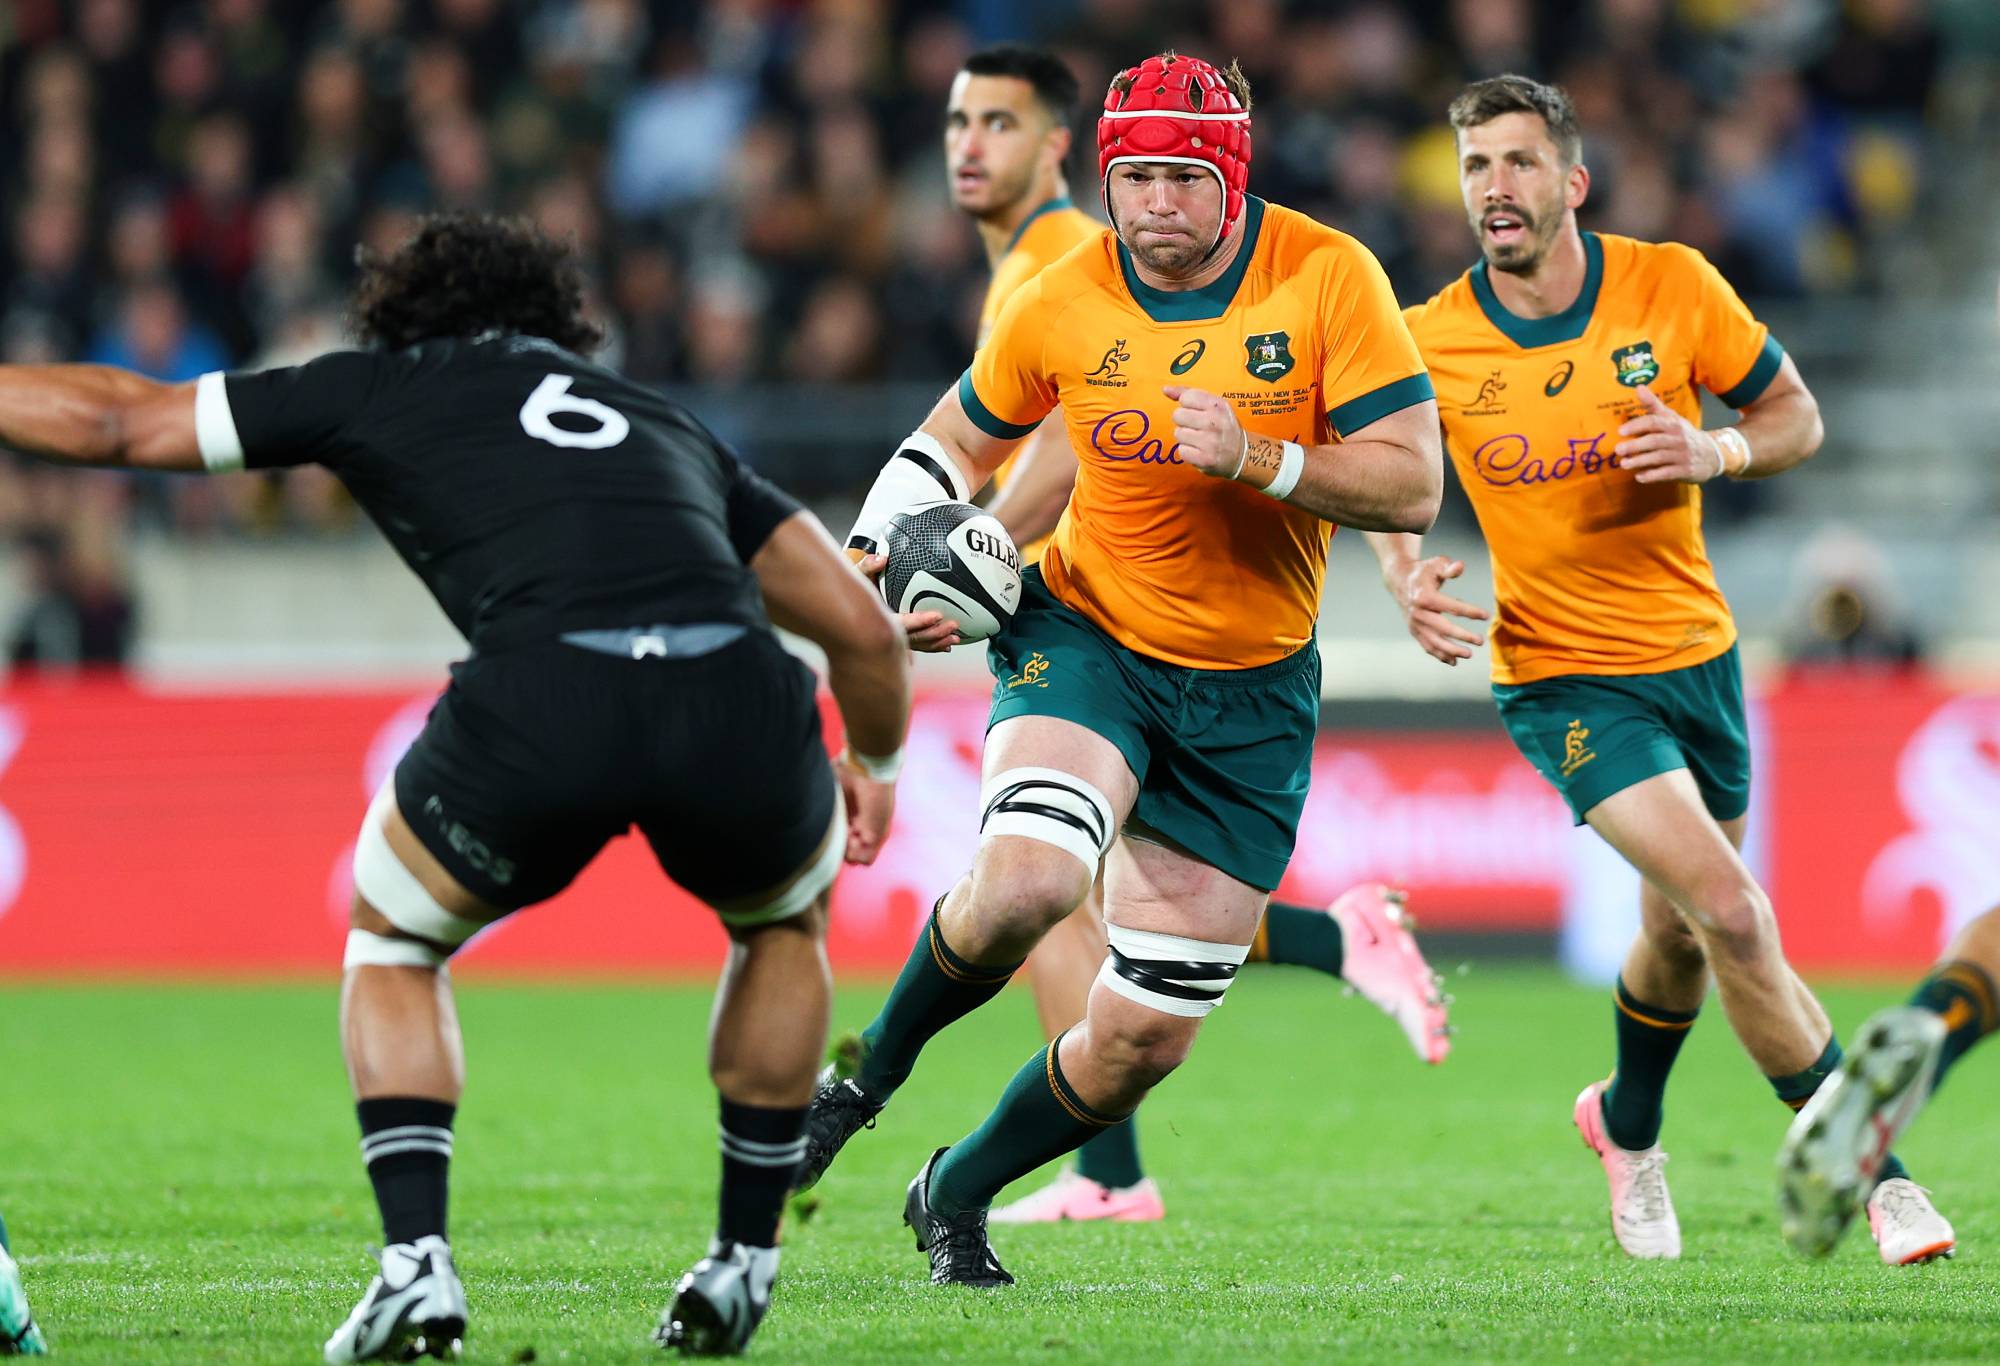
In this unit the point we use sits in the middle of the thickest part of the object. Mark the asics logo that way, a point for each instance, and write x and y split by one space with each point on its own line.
1189 357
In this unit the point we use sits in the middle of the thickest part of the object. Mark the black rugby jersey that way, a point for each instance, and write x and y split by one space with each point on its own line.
533 492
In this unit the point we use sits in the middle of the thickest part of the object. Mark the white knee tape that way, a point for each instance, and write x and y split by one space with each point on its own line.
366 949
384 883
1185 977
1049 805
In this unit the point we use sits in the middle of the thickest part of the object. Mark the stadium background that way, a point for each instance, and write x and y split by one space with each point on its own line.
212 674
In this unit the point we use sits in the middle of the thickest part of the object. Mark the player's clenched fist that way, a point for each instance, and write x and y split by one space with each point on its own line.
1206 432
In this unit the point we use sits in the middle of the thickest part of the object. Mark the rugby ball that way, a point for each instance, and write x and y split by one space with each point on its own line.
952 558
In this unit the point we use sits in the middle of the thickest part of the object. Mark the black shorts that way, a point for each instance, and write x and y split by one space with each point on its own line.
535 757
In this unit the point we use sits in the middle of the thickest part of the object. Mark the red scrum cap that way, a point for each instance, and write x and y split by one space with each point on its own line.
1181 109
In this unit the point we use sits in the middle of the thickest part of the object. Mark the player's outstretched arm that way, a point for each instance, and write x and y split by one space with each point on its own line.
1417 583
809 589
1778 432
947 458
1386 476
1038 489
98 415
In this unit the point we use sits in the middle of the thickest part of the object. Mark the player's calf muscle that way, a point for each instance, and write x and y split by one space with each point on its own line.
1674 941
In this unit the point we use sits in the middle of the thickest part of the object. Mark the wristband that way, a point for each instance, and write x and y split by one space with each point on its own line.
883 770
1243 459
1735 450
1290 466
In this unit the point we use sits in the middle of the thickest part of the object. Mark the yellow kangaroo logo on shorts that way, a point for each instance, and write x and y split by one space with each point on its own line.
1576 749
1031 672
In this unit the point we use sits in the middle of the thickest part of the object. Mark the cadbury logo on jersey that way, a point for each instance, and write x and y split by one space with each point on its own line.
1505 461
1123 435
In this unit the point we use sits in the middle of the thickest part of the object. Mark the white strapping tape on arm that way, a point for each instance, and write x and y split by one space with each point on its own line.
214 425
1290 466
919 472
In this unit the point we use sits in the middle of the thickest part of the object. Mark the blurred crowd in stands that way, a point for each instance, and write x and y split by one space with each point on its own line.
757 185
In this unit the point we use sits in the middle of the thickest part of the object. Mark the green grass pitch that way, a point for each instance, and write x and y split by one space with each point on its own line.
179 1172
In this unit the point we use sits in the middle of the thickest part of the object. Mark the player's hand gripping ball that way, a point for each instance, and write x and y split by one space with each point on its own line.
951 558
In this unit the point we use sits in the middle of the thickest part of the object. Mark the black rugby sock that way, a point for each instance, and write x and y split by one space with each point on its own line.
406 1142
761 1149
935 988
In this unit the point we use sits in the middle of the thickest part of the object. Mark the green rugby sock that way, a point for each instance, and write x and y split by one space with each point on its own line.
1649 1039
1798 1088
1038 1119
4 1246
1301 936
935 988
1963 994
1111 1158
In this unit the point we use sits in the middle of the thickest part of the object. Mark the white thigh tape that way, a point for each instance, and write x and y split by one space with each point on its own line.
1176 976
384 883
794 899
1049 805
366 949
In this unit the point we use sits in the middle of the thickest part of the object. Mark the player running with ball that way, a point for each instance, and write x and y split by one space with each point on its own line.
1007 134
1234 377
617 573
1569 366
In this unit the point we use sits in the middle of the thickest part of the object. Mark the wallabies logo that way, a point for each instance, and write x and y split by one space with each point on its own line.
1109 372
1636 365
1031 672
1270 357
1576 748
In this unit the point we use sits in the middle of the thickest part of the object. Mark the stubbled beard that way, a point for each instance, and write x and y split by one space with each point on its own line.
1522 257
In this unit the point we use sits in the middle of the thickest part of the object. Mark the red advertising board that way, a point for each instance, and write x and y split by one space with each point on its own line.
1885 805
145 832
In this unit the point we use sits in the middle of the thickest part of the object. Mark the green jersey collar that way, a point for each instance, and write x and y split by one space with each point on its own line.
1212 300
1566 326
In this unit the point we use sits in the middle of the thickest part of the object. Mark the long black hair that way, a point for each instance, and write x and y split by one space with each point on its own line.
465 274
